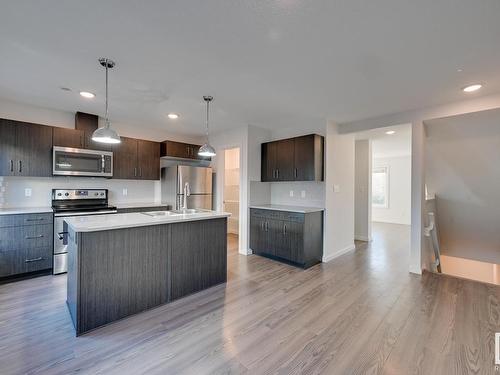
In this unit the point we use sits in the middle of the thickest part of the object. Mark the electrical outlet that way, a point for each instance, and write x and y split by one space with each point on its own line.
27 192
303 193
336 188
125 192
291 193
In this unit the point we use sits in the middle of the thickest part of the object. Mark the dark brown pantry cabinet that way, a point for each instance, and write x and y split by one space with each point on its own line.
136 159
25 149
293 159
294 237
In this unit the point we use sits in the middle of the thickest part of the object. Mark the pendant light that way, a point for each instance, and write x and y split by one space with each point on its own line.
207 150
105 134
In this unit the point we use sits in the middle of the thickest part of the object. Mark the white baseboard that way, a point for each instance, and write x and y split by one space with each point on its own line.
415 269
362 238
331 257
245 251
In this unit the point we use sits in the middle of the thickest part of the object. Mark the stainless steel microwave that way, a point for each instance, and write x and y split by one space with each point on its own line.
68 161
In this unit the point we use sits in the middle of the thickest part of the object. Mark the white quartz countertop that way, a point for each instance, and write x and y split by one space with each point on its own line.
280 207
138 204
130 220
24 210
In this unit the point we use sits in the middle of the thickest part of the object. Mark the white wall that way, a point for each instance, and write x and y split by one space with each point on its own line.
399 209
363 188
339 215
232 188
419 260
463 171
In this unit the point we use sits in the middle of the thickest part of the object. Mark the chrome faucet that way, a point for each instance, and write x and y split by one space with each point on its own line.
187 193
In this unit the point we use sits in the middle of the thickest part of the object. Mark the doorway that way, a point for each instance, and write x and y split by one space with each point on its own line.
231 192
383 183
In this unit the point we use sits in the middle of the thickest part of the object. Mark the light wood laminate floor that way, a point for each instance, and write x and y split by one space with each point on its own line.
361 313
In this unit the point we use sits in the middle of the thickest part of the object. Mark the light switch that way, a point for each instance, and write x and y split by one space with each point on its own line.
336 188
125 192
27 192
303 193
291 193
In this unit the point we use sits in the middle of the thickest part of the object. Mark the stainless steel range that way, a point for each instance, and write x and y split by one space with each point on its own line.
67 203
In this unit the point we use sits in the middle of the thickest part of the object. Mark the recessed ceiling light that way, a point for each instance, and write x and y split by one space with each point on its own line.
87 94
173 116
472 88
390 132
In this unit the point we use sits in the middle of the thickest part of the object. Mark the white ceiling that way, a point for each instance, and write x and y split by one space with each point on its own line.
274 63
388 145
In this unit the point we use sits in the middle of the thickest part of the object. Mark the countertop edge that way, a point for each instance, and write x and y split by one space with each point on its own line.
303 210
185 218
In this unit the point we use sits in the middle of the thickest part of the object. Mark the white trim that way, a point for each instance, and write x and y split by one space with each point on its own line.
362 238
415 270
345 250
245 251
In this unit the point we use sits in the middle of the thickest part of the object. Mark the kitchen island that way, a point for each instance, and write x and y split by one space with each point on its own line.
122 264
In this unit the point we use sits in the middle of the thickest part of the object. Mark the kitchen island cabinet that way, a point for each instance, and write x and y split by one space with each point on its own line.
122 264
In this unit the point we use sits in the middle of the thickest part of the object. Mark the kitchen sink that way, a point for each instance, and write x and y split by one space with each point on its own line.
189 211
160 213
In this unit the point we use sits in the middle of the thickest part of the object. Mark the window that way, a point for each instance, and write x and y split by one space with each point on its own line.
380 187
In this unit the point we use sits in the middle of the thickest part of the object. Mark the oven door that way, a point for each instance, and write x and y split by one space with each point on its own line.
61 238
68 161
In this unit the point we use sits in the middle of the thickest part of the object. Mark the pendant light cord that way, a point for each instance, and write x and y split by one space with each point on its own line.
208 104
107 120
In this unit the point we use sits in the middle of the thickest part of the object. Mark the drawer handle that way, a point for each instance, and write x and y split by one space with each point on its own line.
33 237
12 165
35 219
33 260
284 229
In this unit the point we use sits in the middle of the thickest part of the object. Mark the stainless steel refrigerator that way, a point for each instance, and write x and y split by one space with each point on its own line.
173 182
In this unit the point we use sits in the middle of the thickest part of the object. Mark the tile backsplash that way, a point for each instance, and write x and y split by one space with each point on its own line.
13 190
311 194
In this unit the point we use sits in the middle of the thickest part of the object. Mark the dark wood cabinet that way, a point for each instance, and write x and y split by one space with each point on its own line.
65 137
148 160
125 159
25 244
181 150
136 159
25 149
88 123
199 261
293 237
293 159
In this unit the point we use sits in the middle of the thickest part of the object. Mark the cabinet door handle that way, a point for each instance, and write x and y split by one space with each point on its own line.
277 173
135 171
12 165
140 171
61 235
284 229
34 237
33 260
35 219
267 226
295 173
20 166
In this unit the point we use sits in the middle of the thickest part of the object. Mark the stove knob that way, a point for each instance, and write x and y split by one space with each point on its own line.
102 194
66 194
96 194
59 194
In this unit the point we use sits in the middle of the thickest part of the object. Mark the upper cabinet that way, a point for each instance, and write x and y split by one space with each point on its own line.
65 137
293 159
88 123
136 159
181 150
25 149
